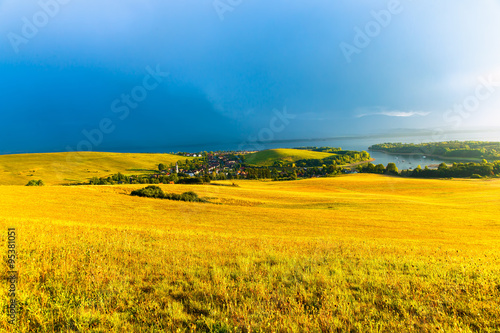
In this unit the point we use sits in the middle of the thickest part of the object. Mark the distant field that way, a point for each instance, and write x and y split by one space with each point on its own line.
268 157
358 253
63 168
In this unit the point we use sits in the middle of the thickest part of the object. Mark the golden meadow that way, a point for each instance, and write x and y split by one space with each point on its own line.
357 253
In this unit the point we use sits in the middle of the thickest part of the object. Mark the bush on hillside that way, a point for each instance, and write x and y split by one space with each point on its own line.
150 192
35 183
153 191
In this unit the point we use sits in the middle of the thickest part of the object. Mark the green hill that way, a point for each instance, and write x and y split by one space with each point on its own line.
69 167
268 157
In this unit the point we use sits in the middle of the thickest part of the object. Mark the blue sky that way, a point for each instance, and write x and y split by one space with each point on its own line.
339 67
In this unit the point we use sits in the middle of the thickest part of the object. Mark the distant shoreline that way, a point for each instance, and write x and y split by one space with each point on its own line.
429 155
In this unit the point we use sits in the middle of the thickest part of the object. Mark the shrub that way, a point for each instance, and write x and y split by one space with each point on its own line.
189 196
153 191
35 183
191 180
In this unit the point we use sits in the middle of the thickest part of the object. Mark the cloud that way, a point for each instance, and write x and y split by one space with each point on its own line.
395 114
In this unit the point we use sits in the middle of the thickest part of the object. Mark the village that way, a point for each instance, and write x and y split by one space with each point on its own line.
222 165
204 167
227 163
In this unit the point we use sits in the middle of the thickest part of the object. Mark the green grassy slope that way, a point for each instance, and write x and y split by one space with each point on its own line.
63 168
268 157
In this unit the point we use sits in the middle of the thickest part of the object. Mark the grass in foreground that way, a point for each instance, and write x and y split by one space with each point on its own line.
355 253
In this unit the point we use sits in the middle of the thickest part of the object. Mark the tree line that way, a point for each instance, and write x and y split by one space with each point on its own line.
448 149
457 170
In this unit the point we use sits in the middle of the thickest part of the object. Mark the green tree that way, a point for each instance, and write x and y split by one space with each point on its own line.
174 178
379 168
391 169
35 183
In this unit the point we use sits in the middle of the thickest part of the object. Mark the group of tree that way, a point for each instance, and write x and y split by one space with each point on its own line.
193 164
35 183
261 173
324 170
390 169
292 173
457 170
287 175
119 178
153 191
447 149
176 178
187 165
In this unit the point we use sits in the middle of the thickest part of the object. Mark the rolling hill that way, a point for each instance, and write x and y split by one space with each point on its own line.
358 253
68 167
268 157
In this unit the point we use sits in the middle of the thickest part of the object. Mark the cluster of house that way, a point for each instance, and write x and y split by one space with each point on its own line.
218 162
190 154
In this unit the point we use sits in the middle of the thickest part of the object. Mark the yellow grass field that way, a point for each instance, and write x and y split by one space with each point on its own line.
357 253
71 167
